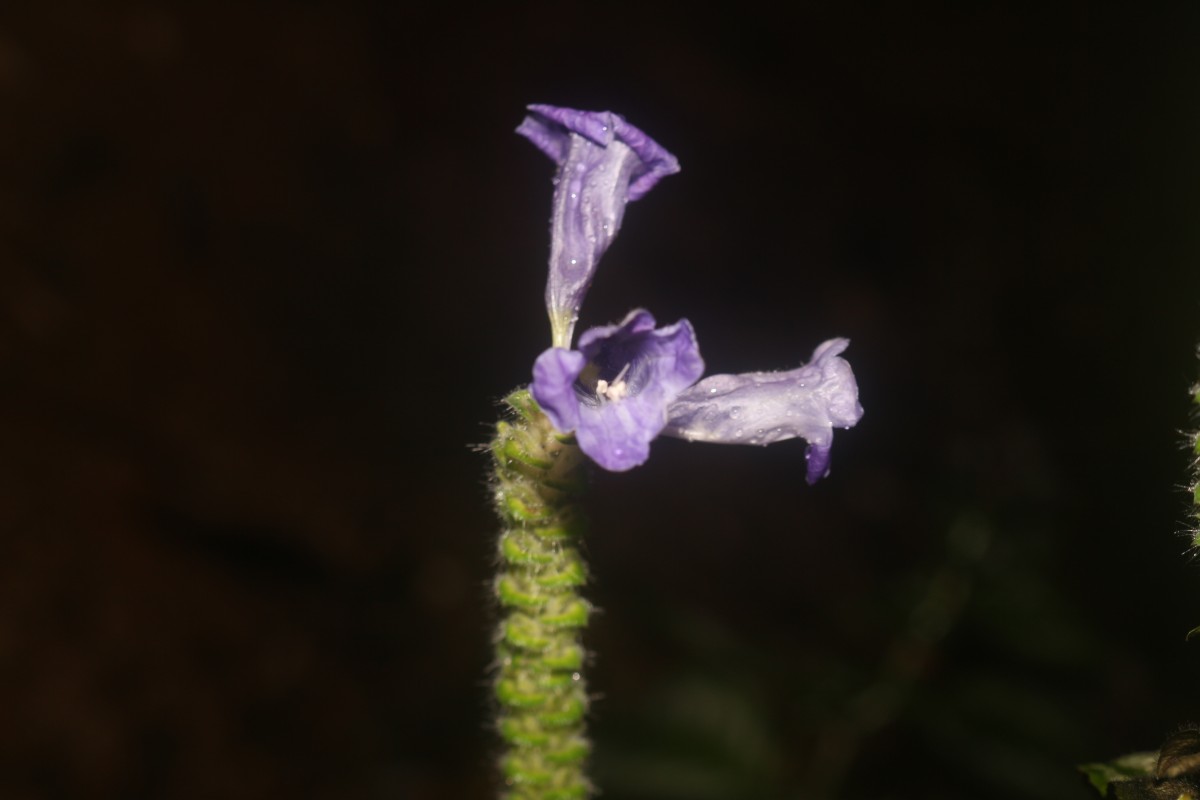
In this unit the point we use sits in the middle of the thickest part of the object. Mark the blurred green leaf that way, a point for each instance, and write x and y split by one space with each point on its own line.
1132 765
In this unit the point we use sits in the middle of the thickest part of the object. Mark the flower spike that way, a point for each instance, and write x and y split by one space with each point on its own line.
615 391
603 163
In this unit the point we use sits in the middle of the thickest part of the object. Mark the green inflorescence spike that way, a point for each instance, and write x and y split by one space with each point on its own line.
542 697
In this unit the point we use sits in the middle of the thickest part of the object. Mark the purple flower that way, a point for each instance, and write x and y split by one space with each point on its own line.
614 391
628 383
765 407
603 163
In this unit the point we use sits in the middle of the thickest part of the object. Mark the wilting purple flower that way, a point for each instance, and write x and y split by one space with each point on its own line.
603 163
614 391
765 407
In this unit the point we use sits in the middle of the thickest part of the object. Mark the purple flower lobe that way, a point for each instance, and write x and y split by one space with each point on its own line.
614 391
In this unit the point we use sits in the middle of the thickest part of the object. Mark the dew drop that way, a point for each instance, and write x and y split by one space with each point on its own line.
735 412
738 433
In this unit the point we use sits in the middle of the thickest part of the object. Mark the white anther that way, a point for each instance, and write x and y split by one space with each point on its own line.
616 390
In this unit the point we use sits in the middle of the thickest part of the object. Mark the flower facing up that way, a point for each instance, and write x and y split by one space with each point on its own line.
765 407
603 163
614 392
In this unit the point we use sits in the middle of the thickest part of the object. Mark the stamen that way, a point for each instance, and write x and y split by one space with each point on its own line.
616 390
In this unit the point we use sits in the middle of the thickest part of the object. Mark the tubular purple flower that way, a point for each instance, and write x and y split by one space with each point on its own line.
765 407
614 391
603 163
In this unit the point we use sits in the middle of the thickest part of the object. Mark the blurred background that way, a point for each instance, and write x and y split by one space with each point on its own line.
266 267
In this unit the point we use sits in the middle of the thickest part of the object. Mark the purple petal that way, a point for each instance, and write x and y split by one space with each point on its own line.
550 127
765 407
633 373
817 457
604 162
554 375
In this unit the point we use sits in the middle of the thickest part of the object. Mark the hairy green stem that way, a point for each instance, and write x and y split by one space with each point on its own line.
1196 471
540 691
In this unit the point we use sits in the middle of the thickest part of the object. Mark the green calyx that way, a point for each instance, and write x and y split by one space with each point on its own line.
542 699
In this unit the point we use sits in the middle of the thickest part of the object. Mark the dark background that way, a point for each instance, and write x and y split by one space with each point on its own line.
266 267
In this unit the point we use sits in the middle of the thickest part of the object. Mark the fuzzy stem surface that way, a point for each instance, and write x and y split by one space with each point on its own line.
539 687
1196 470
